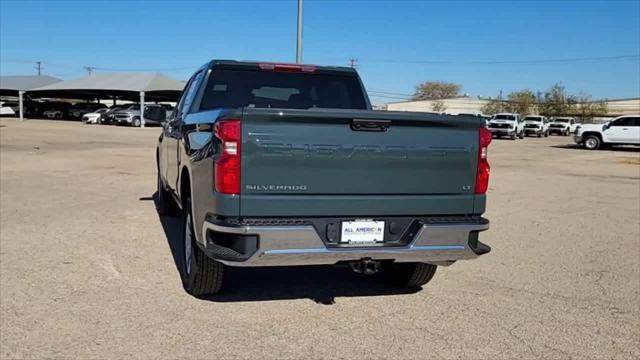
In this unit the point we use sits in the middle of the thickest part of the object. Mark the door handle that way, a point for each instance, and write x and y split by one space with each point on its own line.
625 129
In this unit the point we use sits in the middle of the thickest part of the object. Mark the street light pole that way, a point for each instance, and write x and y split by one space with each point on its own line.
299 42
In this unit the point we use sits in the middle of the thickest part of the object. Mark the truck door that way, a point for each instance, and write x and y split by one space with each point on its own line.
620 131
174 130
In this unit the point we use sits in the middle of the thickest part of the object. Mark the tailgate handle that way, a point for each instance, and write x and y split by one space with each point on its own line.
370 125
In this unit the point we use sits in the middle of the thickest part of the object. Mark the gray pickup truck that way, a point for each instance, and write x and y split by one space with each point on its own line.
284 165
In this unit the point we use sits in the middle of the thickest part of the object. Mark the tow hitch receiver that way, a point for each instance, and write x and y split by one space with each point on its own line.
365 266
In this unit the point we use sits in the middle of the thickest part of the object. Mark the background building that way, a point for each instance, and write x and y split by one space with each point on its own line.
456 105
473 105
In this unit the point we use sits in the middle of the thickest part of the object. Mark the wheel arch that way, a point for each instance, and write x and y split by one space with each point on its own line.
185 185
592 133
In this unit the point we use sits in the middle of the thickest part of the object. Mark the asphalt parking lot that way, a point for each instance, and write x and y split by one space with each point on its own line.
87 268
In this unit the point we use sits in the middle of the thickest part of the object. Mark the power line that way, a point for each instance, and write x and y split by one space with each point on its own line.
511 62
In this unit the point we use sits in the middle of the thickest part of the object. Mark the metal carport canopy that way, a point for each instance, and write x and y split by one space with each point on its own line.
129 86
16 85
11 85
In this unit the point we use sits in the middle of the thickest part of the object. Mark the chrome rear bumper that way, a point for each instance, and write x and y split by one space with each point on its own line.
301 245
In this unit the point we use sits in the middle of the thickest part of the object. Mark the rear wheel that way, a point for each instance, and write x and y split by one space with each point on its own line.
592 142
201 275
410 274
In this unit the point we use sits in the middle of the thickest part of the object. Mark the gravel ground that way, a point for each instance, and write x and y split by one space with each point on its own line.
87 267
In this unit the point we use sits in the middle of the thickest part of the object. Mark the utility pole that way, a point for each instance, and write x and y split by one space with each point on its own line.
299 42
353 62
39 67
89 69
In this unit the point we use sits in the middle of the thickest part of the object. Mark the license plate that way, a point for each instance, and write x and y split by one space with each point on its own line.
362 232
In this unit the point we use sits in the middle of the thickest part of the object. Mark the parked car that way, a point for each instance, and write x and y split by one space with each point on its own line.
53 114
507 124
281 164
563 126
155 114
9 108
78 110
94 117
55 109
624 130
536 125
108 117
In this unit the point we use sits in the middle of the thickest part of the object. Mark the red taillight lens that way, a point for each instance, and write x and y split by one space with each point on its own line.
482 175
227 164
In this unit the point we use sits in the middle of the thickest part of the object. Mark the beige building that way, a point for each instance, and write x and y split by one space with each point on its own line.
619 107
457 105
473 105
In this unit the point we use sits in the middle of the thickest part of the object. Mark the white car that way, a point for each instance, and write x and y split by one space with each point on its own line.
563 126
6 109
94 117
536 125
623 130
507 124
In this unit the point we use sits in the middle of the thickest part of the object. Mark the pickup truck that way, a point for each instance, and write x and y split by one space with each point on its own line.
285 165
507 124
623 130
536 125
563 126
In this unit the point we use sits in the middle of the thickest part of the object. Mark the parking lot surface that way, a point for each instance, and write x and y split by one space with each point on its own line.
88 269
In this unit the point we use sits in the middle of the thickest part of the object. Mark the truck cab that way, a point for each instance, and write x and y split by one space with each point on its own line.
507 124
536 125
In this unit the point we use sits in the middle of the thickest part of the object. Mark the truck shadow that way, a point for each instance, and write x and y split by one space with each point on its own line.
322 284
609 148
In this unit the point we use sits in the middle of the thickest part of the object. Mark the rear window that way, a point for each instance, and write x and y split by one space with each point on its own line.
269 89
505 117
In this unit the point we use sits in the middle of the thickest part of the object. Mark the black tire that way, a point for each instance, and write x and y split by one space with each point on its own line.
566 132
592 142
521 136
410 275
136 122
165 205
513 137
201 275
539 134
546 133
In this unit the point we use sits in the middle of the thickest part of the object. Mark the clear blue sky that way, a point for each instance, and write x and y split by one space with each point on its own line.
398 44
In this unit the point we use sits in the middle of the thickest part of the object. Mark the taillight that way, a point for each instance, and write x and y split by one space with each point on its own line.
227 163
482 175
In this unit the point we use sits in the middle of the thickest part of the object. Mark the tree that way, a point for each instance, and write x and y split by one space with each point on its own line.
493 107
433 90
556 102
522 102
587 109
438 106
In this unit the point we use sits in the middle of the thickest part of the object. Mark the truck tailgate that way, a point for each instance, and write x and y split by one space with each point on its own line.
325 162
